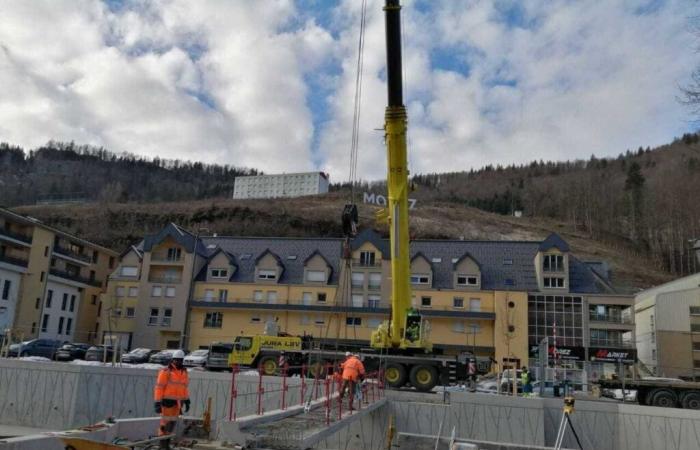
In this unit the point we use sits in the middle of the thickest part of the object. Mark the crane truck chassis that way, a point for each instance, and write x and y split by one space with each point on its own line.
423 372
667 394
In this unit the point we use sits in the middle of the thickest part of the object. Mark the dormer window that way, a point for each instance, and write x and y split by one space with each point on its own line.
367 259
174 253
467 280
420 279
219 273
553 263
316 276
267 274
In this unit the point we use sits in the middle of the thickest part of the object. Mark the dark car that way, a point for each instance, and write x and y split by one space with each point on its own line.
100 353
138 356
69 352
163 357
36 347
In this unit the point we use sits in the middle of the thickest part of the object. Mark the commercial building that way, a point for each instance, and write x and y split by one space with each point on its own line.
280 185
50 280
497 299
668 328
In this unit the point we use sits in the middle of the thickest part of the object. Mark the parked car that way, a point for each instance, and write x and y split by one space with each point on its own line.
36 347
163 357
219 352
69 352
197 358
100 353
138 356
13 351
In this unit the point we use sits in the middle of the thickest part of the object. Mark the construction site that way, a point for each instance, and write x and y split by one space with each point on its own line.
356 342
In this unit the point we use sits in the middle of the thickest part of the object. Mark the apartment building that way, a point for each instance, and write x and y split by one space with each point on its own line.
50 281
497 299
667 321
280 185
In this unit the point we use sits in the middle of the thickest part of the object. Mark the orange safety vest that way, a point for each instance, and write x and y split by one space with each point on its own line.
172 384
353 368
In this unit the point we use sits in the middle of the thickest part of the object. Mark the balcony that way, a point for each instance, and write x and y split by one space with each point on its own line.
160 257
15 261
361 263
15 236
374 287
288 305
164 279
67 252
74 277
611 342
615 318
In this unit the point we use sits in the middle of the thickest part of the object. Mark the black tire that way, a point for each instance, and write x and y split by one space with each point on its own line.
316 369
664 398
268 365
423 377
691 400
395 375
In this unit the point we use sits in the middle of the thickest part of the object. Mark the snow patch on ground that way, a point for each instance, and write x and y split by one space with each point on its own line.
34 358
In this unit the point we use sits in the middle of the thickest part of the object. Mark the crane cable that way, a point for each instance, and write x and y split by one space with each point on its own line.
354 145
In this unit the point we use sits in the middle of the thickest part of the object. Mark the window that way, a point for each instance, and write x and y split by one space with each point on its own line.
695 327
420 279
320 320
553 282
133 291
219 273
33 327
458 302
458 326
49 297
170 291
72 303
316 276
60 325
696 346
694 310
426 302
367 259
258 296
223 295
36 303
111 262
292 257
95 256
174 254
553 263
696 363
508 261
653 337
436 260
129 271
306 298
354 321
99 309
271 297
116 312
153 316
69 325
119 291
64 302
467 280
373 322
373 301
156 291
304 319
208 295
255 319
6 290
44 323
653 354
213 320
264 274
46 251
358 300
358 279
167 317
475 304
474 328
93 300
41 277
375 281
130 312
321 297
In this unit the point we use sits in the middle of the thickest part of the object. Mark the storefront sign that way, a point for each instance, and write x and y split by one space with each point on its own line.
612 355
562 353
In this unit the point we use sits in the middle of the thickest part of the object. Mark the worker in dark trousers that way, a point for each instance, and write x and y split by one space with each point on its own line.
353 371
171 395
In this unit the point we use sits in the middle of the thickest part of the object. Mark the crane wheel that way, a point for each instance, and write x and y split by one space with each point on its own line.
395 375
268 365
691 400
423 378
664 398
316 369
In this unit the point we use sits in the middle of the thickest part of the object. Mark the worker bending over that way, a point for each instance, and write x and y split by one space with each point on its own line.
171 394
353 370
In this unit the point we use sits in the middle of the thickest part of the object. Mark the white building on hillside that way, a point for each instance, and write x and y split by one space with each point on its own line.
281 185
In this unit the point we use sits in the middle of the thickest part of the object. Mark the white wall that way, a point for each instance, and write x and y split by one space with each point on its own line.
645 333
7 306
280 185
56 311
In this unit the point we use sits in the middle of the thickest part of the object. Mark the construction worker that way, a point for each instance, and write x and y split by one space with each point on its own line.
171 394
353 370
526 382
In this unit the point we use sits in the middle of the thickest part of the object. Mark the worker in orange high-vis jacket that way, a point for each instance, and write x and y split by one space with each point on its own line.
171 395
353 370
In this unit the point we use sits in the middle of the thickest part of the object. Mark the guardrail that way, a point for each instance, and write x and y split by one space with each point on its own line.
71 254
165 280
610 318
615 343
16 236
74 277
14 261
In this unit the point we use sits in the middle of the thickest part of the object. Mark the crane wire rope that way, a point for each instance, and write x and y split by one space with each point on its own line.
354 144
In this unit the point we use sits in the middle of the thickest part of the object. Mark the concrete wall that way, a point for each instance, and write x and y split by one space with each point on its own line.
62 396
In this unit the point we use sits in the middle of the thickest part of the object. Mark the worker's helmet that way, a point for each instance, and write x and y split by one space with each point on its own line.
178 354
348 354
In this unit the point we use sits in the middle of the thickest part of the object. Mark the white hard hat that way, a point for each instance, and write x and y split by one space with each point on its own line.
178 354
347 354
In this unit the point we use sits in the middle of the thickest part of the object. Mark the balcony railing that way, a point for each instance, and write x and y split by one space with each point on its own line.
361 263
27 239
374 287
71 254
14 260
610 318
74 277
164 279
618 343
164 257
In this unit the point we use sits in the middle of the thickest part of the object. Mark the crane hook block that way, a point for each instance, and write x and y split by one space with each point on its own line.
350 219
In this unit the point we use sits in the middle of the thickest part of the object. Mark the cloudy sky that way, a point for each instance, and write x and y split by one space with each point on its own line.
269 83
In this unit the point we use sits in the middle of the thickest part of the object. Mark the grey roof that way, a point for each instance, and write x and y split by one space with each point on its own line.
247 250
369 235
554 241
179 234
